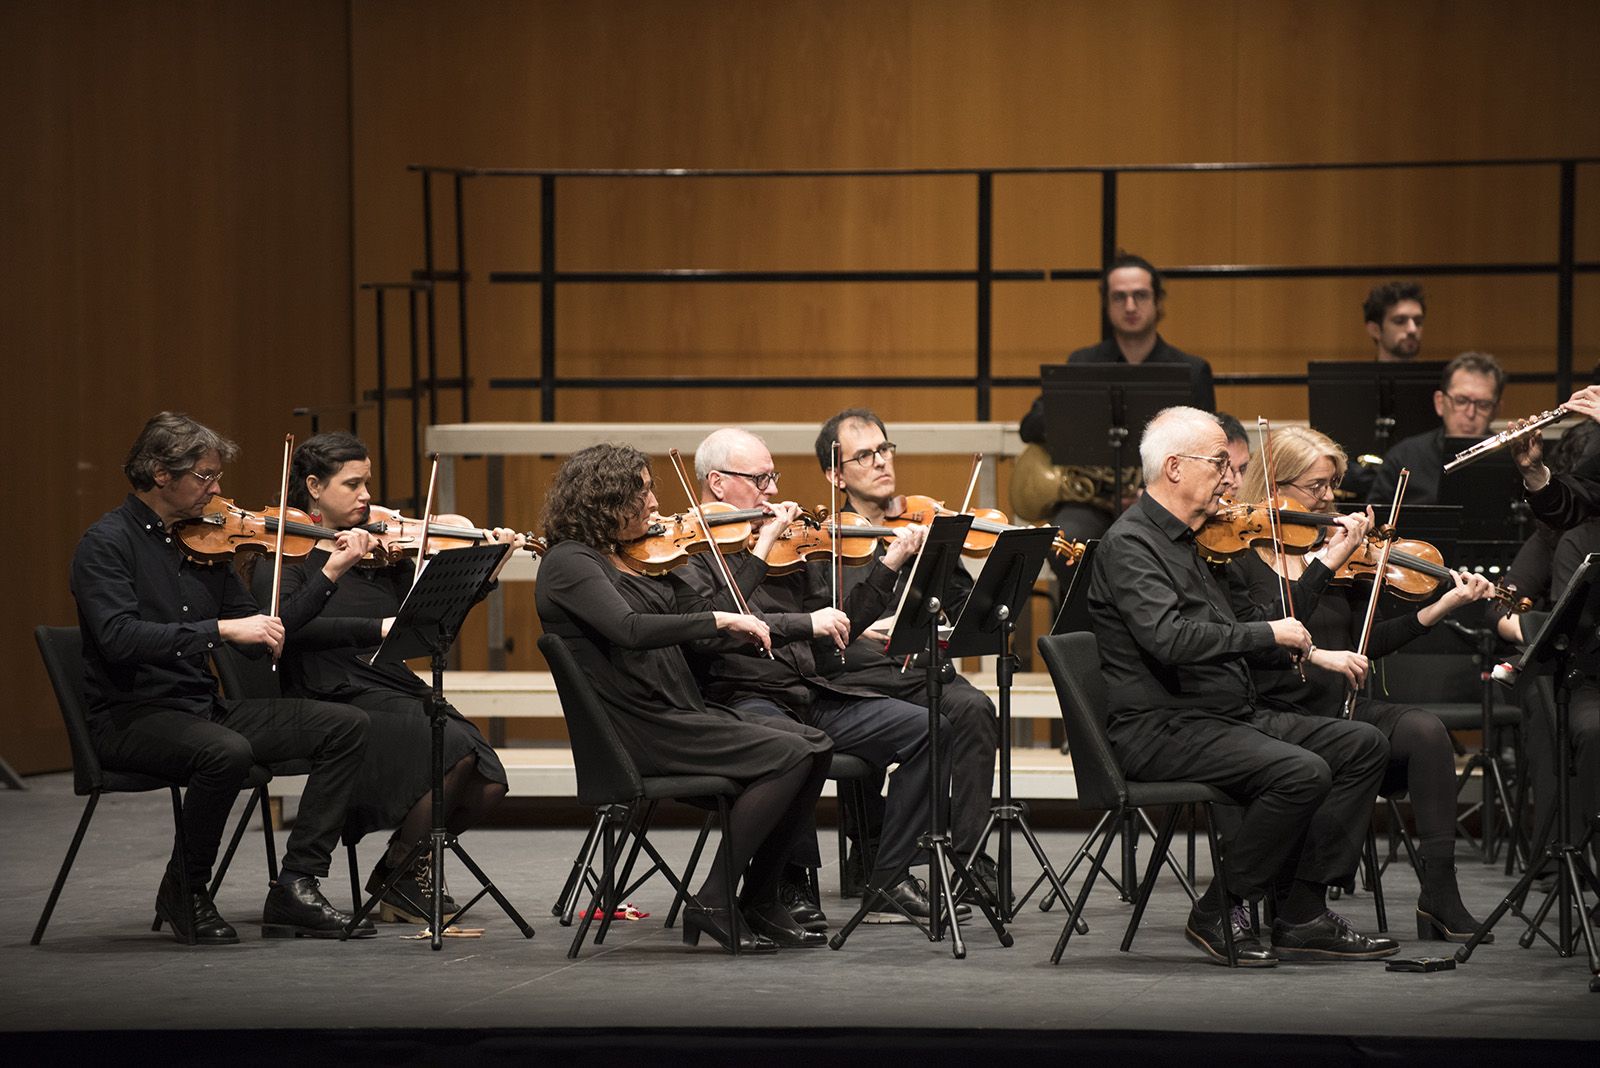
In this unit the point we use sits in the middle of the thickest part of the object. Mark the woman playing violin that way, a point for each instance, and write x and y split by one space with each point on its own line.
625 630
1307 468
330 479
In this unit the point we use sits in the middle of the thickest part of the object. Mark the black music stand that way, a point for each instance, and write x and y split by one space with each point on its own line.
427 625
987 625
1567 648
1495 520
1368 405
1074 614
1089 408
916 630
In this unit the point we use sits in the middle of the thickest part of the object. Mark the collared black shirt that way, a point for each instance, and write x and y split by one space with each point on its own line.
1168 636
1108 351
148 615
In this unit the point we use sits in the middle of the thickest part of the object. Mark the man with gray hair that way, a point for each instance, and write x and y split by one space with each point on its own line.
1182 708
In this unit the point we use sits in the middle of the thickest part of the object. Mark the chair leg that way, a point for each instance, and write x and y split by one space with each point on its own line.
572 889
1369 856
182 846
1158 854
613 843
615 898
1102 826
355 877
1097 865
688 872
267 836
730 877
233 845
66 866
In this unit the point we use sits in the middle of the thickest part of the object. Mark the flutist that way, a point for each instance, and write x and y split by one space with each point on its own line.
1566 500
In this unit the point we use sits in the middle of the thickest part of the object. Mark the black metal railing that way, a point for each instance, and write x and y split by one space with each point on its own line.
547 379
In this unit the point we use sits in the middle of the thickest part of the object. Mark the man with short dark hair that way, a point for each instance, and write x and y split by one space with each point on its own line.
1394 312
150 616
1466 401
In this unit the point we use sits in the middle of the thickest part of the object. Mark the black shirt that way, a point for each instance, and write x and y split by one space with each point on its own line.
1205 392
1569 499
1424 455
1168 636
148 615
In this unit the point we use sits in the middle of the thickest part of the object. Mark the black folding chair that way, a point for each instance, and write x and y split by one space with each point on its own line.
1074 664
607 776
62 651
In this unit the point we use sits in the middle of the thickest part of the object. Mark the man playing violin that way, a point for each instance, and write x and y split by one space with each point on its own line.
149 618
735 466
866 475
1306 469
1182 707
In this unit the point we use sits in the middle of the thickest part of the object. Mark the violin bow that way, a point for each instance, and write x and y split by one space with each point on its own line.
1387 534
427 515
972 482
1275 529
721 566
277 555
833 513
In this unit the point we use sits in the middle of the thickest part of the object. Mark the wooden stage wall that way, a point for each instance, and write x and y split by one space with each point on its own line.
194 191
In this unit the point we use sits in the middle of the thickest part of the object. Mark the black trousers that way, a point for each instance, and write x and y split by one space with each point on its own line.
881 731
1307 784
1538 733
215 756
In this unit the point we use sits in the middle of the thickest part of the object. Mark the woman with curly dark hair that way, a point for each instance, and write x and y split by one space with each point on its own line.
329 478
625 629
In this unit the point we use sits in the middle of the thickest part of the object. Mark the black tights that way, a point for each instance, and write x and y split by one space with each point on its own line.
763 824
468 797
1422 762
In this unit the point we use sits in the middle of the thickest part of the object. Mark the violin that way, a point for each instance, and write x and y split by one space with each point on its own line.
1237 527
1415 570
224 529
669 539
397 536
987 523
813 534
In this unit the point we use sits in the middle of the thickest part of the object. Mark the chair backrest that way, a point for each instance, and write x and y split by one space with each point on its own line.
1074 664
606 773
244 678
62 651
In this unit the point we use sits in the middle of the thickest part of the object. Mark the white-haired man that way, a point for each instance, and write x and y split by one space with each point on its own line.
1182 708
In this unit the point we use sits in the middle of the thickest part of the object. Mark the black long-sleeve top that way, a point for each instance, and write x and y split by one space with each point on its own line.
790 677
1107 351
149 614
1423 455
1169 636
1569 499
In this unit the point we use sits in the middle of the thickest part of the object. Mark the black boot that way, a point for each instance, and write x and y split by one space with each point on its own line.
1440 914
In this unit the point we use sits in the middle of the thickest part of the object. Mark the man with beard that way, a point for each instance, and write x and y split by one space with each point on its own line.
1394 312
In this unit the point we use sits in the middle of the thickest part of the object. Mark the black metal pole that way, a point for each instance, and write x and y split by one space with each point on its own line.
416 402
1108 237
1564 271
547 298
383 402
461 295
985 304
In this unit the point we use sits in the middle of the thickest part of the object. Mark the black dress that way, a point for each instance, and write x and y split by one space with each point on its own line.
625 631
324 658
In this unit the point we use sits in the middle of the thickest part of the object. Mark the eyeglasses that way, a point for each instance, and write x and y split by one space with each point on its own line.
1484 407
884 452
1221 461
761 482
205 480
1317 486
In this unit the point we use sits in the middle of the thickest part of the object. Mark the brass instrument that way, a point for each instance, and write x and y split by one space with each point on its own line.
1038 486
1506 437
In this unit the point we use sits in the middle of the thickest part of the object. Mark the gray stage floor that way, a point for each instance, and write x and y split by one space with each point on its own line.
101 968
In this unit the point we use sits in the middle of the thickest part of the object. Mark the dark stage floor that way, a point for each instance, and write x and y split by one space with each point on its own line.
501 997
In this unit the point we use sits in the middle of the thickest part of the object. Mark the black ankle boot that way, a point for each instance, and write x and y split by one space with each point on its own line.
1440 914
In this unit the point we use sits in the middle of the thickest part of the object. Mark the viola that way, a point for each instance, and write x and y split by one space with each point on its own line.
224 529
987 523
1237 527
813 534
670 539
1415 570
398 536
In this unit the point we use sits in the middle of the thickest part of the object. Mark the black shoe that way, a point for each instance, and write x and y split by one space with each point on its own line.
793 897
297 909
788 935
715 922
911 895
1207 934
1440 913
1328 937
986 874
209 928
411 897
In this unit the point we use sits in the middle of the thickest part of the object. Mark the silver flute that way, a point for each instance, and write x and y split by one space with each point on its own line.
1506 437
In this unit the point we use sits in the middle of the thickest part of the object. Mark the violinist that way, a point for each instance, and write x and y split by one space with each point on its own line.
149 618
866 476
1182 706
735 466
338 626
627 632
1306 468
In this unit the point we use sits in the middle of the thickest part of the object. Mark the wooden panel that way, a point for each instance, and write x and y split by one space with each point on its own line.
177 236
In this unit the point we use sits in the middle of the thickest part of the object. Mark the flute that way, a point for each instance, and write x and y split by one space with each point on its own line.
1506 437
